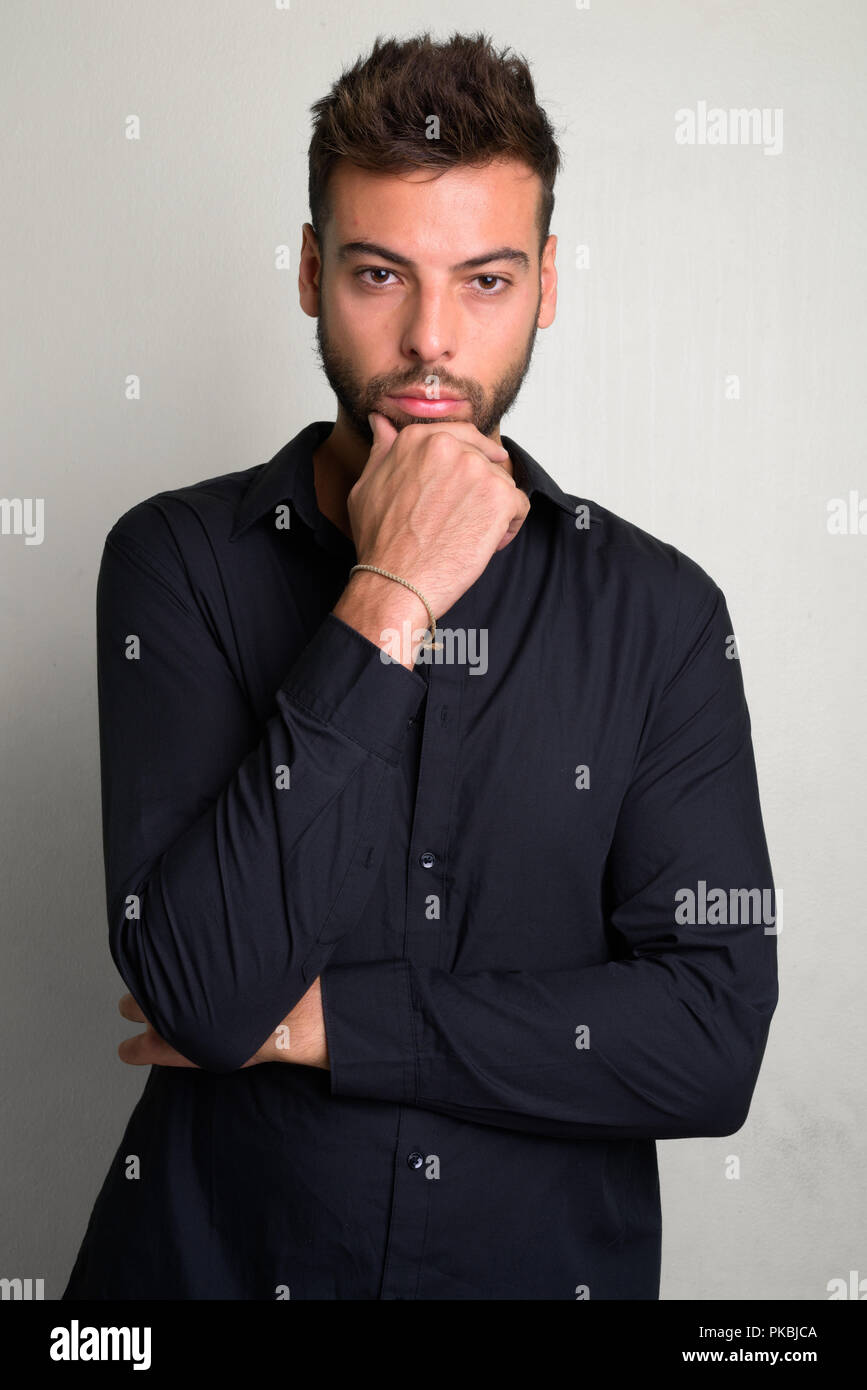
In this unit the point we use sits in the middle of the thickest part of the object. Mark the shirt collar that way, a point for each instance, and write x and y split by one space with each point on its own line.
288 477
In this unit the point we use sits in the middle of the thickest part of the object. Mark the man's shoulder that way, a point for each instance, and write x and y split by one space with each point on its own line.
179 517
626 552
615 548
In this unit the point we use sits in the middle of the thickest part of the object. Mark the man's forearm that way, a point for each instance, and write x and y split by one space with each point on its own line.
299 1039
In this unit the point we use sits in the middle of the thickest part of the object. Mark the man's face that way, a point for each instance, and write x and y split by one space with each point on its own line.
412 315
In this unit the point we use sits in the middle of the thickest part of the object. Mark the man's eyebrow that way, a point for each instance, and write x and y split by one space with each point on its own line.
370 248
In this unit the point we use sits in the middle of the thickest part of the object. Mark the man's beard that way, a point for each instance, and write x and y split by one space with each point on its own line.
358 399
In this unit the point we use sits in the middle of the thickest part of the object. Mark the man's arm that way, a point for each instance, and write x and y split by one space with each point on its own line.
676 1028
236 855
299 1038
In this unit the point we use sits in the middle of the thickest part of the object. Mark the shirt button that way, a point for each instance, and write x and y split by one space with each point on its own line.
415 1159
427 860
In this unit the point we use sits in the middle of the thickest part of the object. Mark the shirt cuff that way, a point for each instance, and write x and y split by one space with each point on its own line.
367 1011
349 682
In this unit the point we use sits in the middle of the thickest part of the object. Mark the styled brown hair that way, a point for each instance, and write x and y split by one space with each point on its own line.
378 113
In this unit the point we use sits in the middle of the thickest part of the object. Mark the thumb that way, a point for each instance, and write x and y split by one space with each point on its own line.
383 431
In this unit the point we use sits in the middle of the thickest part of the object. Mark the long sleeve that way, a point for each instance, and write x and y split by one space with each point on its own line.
236 854
671 1031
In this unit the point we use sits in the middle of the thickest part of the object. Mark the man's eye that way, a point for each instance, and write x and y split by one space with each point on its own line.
501 278
381 270
373 270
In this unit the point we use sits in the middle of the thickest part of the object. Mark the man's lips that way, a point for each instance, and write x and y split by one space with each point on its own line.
420 404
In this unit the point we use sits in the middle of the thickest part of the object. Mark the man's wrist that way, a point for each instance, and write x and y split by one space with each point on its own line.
387 613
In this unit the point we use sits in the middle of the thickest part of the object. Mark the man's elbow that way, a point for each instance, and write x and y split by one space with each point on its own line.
724 1113
201 1034
724 1104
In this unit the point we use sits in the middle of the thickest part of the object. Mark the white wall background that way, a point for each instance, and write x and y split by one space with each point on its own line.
157 257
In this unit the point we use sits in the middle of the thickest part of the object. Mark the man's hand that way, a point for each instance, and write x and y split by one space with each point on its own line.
433 503
300 1038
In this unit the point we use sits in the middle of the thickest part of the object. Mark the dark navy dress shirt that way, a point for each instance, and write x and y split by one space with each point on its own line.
528 872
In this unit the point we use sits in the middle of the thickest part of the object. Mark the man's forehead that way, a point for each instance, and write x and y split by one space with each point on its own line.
485 207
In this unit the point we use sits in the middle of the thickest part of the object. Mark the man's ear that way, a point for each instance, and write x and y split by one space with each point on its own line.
548 281
309 271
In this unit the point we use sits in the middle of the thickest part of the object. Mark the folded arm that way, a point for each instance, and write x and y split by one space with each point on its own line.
236 855
664 1040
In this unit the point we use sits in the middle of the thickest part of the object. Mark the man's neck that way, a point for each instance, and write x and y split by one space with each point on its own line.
336 467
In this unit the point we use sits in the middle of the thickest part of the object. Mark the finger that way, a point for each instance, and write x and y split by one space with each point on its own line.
129 1009
384 434
468 434
149 1049
517 520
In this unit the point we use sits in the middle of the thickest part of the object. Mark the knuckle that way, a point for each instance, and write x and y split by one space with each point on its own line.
415 430
438 442
473 459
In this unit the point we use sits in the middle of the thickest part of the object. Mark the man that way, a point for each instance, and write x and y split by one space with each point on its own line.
405 905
